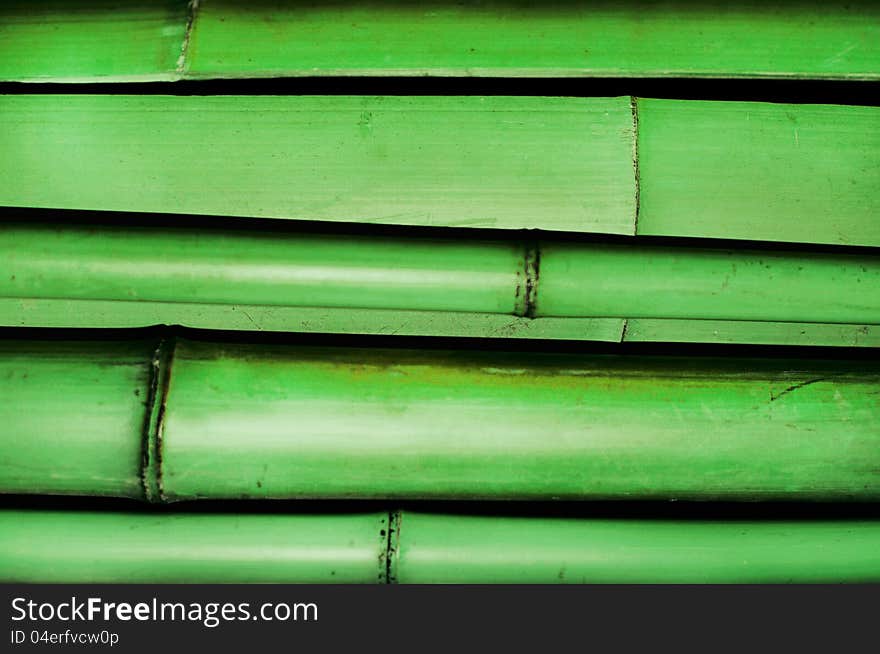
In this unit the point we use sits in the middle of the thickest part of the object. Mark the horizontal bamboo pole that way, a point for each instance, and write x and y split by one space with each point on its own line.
118 547
547 279
251 421
468 549
111 41
735 170
114 547
261 268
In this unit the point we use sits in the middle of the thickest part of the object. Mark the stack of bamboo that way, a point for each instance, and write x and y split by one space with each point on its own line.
236 284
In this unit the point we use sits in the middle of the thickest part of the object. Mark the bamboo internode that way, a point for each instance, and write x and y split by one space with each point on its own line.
523 278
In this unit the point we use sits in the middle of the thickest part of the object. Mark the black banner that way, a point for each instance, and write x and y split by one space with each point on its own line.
225 618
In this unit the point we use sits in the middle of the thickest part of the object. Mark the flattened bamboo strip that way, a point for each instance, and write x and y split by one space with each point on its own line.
501 162
97 314
114 547
91 314
248 421
774 172
469 549
749 170
550 279
648 330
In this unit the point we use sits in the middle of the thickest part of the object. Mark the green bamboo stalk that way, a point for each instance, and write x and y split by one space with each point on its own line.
470 549
91 40
573 280
775 172
697 283
261 268
539 39
471 425
137 39
72 414
500 162
752 170
249 421
117 547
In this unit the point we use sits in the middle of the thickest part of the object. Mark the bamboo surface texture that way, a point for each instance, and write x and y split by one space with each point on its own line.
774 172
96 40
694 201
110 547
206 420
519 278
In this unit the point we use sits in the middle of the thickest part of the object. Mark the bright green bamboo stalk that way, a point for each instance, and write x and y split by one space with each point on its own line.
91 40
261 268
113 547
296 422
139 39
248 421
759 171
470 549
496 38
498 162
737 170
71 416
574 280
675 282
